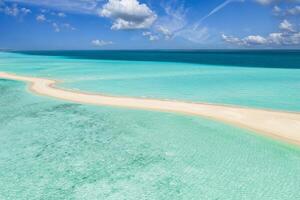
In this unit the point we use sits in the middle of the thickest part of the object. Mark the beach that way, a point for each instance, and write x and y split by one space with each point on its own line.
149 100
277 124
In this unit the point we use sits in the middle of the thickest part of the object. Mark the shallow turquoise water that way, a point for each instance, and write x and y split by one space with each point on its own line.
58 150
255 87
52 149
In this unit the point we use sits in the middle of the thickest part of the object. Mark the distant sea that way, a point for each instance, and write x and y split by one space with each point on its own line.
240 58
52 149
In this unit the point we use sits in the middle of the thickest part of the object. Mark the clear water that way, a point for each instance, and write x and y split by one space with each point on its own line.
52 149
275 88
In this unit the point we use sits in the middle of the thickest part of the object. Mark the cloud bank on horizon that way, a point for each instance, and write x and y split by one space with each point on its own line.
153 24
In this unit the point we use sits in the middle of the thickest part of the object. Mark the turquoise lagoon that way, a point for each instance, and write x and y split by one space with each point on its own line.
51 149
274 88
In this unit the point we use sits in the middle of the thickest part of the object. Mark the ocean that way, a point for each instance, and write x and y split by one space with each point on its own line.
52 149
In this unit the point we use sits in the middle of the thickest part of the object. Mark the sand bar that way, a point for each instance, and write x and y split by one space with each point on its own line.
277 124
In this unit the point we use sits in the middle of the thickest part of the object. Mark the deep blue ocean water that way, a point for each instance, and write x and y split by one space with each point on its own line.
240 58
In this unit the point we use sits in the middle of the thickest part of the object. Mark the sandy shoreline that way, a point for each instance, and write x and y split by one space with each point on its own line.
277 124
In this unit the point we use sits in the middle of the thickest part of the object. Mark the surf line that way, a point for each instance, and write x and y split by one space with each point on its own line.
279 125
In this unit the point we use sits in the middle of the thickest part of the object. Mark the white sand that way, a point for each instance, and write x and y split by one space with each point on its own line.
277 124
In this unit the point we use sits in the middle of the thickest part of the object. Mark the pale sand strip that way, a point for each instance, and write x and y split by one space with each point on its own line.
277 124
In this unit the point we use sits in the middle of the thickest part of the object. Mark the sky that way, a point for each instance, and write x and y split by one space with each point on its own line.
149 24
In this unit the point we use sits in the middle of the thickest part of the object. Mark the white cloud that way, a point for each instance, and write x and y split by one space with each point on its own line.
41 18
287 11
77 6
276 38
57 14
287 36
277 10
247 41
68 26
165 31
232 40
151 36
14 10
56 27
175 25
255 40
173 21
295 39
147 33
61 14
101 43
44 10
294 11
128 14
285 25
273 39
195 34
267 2
284 38
25 11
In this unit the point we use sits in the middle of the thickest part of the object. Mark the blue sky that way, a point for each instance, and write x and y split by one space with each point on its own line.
149 24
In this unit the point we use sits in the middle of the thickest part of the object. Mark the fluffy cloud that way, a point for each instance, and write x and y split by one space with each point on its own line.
56 27
287 35
277 10
25 11
128 14
294 11
14 10
294 39
61 14
41 18
284 38
101 43
255 40
151 36
247 41
276 38
232 40
272 39
285 25
287 11
68 26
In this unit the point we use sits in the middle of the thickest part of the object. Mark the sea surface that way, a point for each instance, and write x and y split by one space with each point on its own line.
52 149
